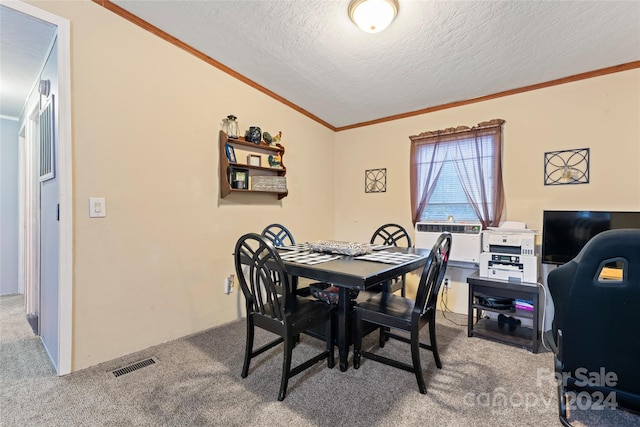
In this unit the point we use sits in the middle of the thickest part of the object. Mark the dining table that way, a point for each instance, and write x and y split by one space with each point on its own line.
349 273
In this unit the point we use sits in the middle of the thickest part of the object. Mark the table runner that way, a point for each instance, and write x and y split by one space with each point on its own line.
307 247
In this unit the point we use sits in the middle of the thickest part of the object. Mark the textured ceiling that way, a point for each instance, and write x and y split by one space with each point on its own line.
434 53
24 43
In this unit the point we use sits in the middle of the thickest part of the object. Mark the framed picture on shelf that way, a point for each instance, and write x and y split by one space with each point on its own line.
239 178
231 154
254 160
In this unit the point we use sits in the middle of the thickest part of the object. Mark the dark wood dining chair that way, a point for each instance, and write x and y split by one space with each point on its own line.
394 235
389 311
279 235
272 306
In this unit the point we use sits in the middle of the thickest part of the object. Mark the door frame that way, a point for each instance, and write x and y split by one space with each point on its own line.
65 176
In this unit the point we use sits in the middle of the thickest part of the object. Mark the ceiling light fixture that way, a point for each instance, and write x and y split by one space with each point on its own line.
373 16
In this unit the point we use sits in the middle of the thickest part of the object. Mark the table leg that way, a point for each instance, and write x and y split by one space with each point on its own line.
536 307
343 327
293 282
470 312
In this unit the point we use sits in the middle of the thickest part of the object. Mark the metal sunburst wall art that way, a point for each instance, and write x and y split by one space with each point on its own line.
375 180
566 167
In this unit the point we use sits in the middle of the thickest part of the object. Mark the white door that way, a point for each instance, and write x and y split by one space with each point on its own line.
49 230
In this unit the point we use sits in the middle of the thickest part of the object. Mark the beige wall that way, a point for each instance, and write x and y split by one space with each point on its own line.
146 117
601 113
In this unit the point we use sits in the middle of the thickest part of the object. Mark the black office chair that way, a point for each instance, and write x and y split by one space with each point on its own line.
271 306
395 235
596 323
396 312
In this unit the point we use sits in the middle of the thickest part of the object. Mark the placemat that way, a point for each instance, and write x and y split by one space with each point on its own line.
310 258
296 247
380 247
388 257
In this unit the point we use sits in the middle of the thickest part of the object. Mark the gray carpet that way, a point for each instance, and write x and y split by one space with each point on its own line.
196 382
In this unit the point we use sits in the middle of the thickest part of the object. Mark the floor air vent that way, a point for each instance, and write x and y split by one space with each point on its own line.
134 367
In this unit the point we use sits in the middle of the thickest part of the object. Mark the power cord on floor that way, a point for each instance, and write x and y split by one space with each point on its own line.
543 305
445 309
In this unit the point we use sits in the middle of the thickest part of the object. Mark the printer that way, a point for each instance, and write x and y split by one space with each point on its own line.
509 254
509 242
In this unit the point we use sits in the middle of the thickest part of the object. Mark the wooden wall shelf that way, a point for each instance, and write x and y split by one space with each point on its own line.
242 148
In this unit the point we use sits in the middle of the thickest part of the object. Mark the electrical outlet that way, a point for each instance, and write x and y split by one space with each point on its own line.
446 282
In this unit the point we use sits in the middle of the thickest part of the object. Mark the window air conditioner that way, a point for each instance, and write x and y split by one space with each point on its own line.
466 244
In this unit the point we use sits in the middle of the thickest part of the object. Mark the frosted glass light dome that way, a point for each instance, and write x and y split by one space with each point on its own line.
373 16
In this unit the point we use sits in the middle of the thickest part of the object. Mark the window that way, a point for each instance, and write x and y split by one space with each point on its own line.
448 198
457 173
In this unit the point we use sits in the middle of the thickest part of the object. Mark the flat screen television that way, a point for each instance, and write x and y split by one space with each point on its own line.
564 233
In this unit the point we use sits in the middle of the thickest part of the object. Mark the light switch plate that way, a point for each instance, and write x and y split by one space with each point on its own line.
97 207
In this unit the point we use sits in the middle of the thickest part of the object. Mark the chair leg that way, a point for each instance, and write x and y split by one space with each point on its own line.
415 357
357 341
434 343
286 367
403 290
331 361
384 336
381 339
248 348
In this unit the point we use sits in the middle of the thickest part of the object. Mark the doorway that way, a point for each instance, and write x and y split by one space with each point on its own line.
58 327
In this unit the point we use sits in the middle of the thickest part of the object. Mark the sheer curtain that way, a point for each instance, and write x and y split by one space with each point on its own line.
477 155
426 163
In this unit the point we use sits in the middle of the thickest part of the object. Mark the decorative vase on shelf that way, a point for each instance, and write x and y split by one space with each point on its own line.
254 134
230 126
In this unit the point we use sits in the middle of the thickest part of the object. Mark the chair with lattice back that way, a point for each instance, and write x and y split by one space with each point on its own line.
397 313
272 306
393 235
280 236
